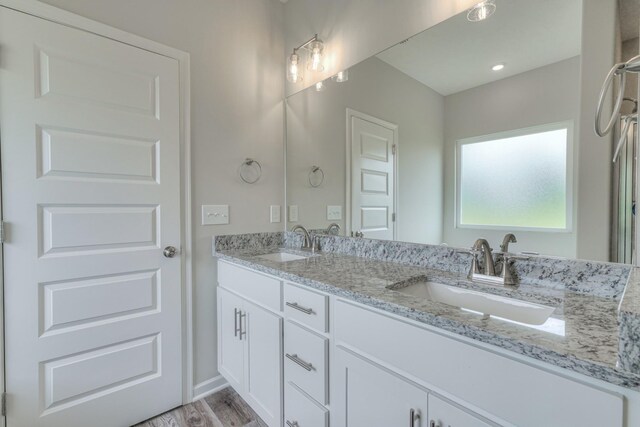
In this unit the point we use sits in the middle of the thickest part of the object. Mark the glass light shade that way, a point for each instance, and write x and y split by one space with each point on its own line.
481 11
314 63
320 86
294 71
341 76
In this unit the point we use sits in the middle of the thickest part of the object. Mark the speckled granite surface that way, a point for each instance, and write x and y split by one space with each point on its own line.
629 323
582 334
594 278
248 241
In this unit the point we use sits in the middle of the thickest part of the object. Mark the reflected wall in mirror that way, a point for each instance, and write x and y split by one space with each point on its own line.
473 129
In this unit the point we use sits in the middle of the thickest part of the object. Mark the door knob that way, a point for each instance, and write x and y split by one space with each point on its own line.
170 251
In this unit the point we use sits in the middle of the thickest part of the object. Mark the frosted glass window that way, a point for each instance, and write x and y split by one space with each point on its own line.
518 181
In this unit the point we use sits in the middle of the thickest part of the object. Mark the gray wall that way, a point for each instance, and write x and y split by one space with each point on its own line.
316 132
594 153
237 73
545 95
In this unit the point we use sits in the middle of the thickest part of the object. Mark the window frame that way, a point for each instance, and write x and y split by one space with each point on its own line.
569 179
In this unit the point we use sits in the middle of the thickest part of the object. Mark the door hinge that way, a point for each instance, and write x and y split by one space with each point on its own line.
393 149
2 233
3 412
393 217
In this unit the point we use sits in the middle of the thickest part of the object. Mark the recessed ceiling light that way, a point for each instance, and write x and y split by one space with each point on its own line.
497 67
481 11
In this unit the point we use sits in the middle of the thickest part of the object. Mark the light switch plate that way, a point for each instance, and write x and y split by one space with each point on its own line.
274 211
293 213
215 214
334 213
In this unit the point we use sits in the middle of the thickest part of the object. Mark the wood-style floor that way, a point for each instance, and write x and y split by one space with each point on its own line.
222 409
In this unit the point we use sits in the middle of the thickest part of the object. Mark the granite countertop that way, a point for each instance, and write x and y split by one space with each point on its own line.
582 334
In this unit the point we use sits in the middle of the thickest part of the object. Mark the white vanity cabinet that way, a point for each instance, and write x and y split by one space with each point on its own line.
302 358
231 346
250 347
445 414
306 351
369 396
488 384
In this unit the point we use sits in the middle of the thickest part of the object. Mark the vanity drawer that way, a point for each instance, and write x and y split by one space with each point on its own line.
307 307
256 287
300 411
306 361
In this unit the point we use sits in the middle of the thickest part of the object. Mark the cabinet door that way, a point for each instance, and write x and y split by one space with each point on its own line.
367 395
444 414
263 382
230 340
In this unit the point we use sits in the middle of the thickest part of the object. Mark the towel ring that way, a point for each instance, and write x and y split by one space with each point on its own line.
250 166
314 173
616 71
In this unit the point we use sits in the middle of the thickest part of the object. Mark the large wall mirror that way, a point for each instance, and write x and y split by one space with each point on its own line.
476 129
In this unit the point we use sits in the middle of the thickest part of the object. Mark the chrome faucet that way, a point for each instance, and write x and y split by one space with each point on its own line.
488 266
333 229
306 244
488 274
508 238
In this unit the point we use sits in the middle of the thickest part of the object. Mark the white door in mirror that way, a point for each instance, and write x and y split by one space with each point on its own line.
372 171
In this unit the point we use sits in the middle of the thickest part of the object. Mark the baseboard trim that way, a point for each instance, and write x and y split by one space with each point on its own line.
210 386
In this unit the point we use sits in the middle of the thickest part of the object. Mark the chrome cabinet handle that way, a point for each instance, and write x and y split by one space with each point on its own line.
243 331
295 306
235 322
293 424
413 416
169 251
295 359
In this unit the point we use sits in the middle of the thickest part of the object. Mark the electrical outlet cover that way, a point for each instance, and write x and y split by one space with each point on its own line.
274 211
215 214
293 213
334 213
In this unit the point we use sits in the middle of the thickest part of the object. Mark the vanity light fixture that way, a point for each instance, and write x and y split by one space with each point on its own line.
294 73
315 47
481 11
497 67
341 76
320 86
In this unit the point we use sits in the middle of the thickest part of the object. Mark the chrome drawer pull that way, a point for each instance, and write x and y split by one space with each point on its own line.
295 306
294 358
235 322
293 424
413 417
242 332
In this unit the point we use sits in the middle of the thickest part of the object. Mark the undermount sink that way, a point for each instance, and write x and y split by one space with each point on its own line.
487 304
283 257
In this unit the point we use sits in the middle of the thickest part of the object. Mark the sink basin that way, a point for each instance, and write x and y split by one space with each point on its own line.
282 257
506 308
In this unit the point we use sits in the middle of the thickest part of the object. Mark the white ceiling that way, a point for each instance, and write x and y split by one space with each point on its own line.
629 19
457 54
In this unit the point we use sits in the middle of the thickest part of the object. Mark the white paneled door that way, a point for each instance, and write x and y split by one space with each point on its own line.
372 144
91 196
